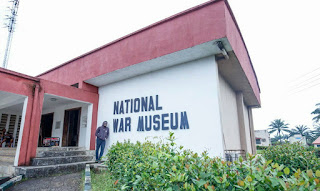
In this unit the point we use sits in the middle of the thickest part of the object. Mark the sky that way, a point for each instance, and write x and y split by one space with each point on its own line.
282 38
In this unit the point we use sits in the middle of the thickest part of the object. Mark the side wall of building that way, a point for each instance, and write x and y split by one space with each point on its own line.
187 94
247 128
229 116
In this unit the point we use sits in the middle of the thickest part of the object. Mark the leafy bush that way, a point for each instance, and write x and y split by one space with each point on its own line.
295 156
261 147
162 166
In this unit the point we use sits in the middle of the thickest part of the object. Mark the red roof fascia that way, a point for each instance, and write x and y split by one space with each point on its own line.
10 72
136 32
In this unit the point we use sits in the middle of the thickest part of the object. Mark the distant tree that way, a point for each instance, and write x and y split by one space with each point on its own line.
286 137
316 131
277 138
278 126
316 112
299 130
310 137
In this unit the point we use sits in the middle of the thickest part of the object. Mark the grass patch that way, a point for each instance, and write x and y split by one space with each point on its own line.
259 151
102 181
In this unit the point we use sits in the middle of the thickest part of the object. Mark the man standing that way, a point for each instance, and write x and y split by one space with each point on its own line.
102 134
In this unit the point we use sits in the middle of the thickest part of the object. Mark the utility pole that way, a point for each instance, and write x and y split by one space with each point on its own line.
10 25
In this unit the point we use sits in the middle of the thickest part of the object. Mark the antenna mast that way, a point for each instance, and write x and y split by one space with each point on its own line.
10 25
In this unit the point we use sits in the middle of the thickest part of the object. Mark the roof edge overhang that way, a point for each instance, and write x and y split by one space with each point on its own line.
187 30
20 75
134 33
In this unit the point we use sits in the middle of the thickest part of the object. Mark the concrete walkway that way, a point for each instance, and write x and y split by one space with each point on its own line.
68 182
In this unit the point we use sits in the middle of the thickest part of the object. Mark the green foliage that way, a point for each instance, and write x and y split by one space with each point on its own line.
316 112
279 126
164 166
261 147
295 156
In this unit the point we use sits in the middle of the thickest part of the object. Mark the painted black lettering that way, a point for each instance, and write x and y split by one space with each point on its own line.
184 124
127 105
140 124
157 103
174 126
156 122
115 125
147 126
164 121
144 104
127 124
116 107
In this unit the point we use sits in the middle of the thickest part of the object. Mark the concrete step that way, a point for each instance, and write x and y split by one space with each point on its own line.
7 158
60 153
39 149
6 169
7 151
45 171
44 161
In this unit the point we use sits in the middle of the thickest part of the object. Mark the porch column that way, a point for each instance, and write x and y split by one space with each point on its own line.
240 105
94 124
28 142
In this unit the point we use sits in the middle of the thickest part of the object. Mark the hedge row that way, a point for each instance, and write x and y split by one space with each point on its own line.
163 166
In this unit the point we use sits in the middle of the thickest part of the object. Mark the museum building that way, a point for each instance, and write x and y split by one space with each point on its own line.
190 74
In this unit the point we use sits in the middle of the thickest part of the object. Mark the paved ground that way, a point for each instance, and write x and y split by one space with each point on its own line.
68 182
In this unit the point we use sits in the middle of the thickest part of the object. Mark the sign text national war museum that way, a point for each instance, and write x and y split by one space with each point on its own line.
156 122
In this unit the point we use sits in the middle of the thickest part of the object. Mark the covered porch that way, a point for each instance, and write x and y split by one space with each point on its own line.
32 109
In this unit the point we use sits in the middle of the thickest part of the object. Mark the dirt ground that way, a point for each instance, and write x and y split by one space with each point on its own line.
67 182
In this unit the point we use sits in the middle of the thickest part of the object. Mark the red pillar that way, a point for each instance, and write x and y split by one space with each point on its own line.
30 135
94 125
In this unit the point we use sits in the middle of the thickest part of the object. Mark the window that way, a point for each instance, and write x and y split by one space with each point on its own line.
264 140
258 141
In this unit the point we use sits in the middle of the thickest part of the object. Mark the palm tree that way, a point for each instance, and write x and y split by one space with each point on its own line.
278 126
276 138
299 130
316 132
317 113
310 137
286 137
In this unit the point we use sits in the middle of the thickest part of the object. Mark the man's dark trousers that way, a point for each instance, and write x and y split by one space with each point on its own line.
100 144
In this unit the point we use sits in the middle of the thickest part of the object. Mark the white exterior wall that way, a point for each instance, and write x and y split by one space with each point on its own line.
58 115
192 87
263 134
247 128
298 139
229 116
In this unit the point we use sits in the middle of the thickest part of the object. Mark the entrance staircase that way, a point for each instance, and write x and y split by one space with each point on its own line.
6 161
56 160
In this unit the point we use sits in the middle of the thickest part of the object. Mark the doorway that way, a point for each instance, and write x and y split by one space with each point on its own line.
71 127
45 127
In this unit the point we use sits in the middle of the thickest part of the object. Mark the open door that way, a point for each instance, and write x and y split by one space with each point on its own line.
45 127
71 127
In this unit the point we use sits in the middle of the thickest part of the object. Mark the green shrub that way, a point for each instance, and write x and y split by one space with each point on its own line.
295 156
162 166
261 147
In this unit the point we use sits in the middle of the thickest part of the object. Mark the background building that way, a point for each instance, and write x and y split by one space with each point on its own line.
262 138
